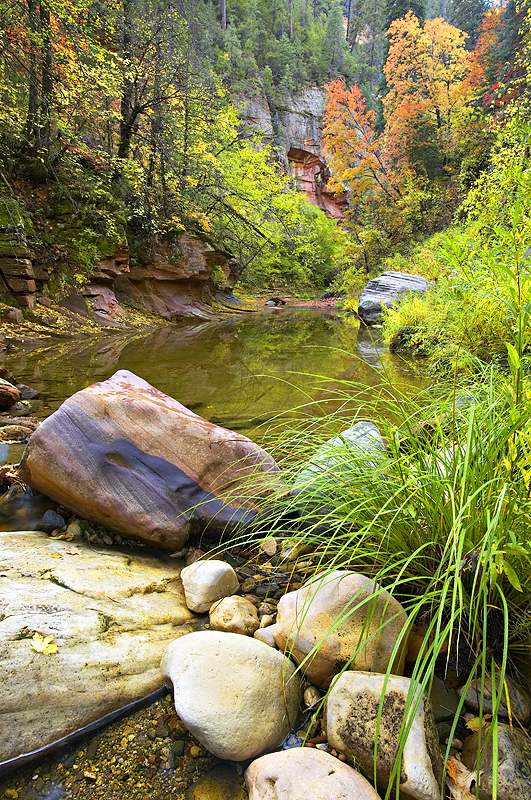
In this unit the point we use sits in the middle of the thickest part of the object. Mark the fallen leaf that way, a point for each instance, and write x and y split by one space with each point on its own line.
46 576
56 555
459 780
475 724
44 644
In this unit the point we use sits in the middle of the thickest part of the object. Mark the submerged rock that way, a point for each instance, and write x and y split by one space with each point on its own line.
305 774
129 457
359 447
111 615
338 613
352 710
387 290
236 695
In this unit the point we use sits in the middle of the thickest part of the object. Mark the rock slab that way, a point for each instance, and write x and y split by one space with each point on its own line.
129 457
305 774
111 614
344 601
236 695
351 719
386 290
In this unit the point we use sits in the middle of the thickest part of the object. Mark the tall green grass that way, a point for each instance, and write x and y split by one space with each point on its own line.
440 518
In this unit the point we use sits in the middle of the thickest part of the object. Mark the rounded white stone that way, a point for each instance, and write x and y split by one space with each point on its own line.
236 695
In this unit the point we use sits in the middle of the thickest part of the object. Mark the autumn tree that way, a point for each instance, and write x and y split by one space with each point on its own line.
425 70
352 147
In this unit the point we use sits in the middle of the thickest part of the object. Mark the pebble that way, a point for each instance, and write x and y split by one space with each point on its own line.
311 695
266 620
248 586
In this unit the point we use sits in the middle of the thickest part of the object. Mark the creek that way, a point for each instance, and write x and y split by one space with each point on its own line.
238 373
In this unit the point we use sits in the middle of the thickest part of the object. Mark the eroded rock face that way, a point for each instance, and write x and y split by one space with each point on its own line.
305 617
129 457
385 291
236 695
305 774
351 718
112 616
514 764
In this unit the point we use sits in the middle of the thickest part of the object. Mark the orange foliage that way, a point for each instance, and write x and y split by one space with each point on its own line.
351 144
425 73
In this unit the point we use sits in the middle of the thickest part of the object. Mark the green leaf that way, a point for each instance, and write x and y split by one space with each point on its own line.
512 577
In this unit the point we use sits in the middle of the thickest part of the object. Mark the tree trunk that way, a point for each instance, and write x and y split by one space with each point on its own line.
223 6
33 79
45 116
126 121
291 19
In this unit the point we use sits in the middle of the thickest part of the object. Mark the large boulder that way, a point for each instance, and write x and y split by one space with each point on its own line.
129 457
359 447
111 614
340 618
236 695
305 774
352 717
514 764
387 290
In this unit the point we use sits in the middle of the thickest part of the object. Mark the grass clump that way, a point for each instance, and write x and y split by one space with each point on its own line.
436 512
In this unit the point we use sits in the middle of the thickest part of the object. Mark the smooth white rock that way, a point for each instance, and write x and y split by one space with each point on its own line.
204 582
303 773
236 695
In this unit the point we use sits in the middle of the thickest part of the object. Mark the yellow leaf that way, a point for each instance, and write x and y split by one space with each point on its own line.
475 724
44 644
46 576
56 555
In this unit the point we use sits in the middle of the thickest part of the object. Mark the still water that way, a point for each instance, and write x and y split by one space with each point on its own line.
238 373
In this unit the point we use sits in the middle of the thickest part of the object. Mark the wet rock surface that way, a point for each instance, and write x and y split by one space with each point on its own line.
148 755
111 615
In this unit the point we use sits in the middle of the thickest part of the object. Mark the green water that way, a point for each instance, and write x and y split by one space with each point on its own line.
238 373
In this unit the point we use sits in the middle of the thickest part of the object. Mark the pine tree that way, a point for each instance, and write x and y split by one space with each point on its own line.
334 50
467 16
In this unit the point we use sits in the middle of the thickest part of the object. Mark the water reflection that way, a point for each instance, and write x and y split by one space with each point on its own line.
237 373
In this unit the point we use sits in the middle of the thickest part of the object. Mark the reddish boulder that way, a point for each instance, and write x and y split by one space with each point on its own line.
9 394
129 457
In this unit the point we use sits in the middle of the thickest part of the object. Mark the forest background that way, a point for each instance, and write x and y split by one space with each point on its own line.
118 115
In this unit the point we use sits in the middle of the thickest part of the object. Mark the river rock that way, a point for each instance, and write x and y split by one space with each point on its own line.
236 695
360 446
514 764
234 614
519 699
265 635
205 582
129 457
387 290
351 718
9 394
305 617
112 616
303 773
